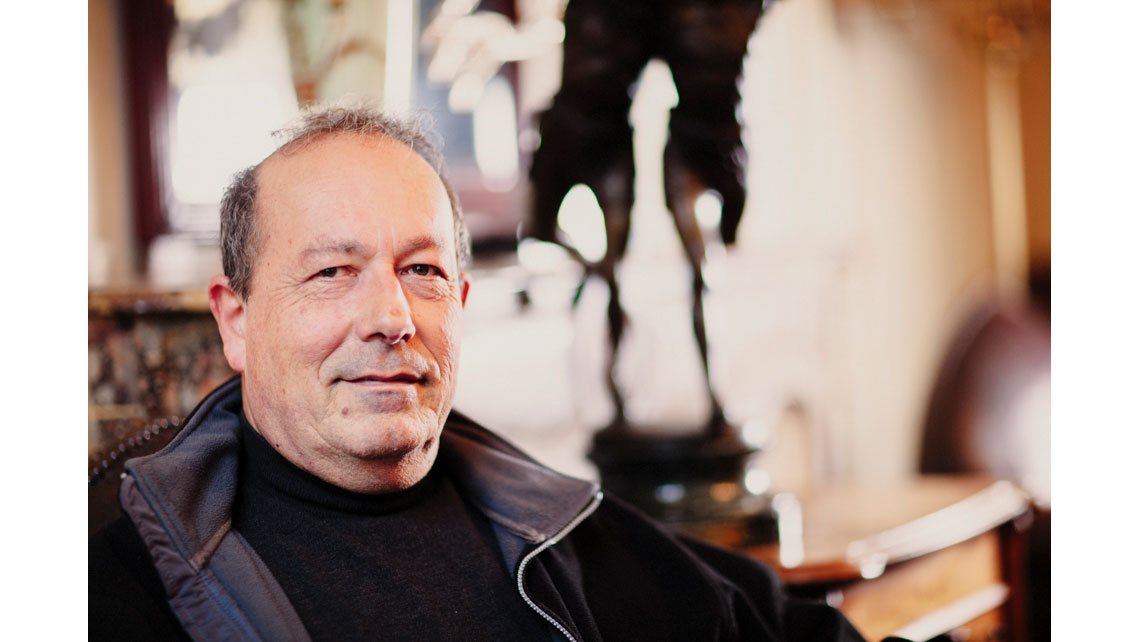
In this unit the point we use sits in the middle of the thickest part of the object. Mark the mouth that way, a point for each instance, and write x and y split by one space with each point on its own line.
384 379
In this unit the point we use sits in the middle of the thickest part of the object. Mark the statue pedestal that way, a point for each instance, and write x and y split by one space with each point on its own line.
692 483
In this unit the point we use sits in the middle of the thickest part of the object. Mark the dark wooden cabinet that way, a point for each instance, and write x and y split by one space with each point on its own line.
938 555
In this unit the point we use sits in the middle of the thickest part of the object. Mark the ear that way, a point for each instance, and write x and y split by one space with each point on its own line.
229 311
464 286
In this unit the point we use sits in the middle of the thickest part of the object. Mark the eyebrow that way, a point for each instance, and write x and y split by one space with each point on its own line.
322 247
419 243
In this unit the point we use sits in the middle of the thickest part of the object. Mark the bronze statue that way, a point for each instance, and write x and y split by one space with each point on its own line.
586 138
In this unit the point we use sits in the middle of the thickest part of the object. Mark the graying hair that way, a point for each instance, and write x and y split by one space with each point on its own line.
239 230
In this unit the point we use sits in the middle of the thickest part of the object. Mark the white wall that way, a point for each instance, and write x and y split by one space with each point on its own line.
885 177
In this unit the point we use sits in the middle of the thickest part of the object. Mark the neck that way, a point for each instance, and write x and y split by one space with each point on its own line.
372 475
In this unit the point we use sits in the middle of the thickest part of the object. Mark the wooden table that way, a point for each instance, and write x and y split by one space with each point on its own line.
937 555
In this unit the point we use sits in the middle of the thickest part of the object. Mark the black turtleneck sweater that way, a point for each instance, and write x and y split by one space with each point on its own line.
418 564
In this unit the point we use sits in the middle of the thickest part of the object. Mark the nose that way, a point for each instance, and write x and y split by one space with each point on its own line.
385 313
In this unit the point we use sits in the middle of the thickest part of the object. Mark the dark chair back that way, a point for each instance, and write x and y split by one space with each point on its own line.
105 469
989 412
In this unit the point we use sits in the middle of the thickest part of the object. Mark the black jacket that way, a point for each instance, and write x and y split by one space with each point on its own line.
594 569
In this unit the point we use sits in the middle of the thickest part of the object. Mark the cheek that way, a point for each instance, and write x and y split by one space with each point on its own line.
443 340
301 338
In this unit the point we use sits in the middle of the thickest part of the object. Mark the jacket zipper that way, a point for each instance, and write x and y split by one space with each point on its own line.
586 512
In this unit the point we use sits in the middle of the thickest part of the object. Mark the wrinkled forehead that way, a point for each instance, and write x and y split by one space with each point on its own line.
353 187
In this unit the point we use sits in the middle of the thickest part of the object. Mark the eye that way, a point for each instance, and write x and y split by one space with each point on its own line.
422 269
330 272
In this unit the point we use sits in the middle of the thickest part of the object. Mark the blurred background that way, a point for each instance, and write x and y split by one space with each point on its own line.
886 301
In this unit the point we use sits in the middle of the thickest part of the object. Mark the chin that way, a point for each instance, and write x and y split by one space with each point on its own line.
378 452
392 473
387 436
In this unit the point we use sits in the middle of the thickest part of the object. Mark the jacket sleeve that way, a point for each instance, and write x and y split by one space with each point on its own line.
755 592
698 590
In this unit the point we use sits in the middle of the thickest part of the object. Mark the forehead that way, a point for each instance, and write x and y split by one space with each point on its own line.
351 183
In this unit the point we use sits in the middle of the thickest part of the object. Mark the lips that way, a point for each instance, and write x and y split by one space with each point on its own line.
398 377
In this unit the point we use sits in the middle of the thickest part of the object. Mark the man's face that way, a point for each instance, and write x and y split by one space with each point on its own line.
353 317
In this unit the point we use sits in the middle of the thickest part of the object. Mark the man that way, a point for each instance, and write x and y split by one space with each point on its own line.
329 492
